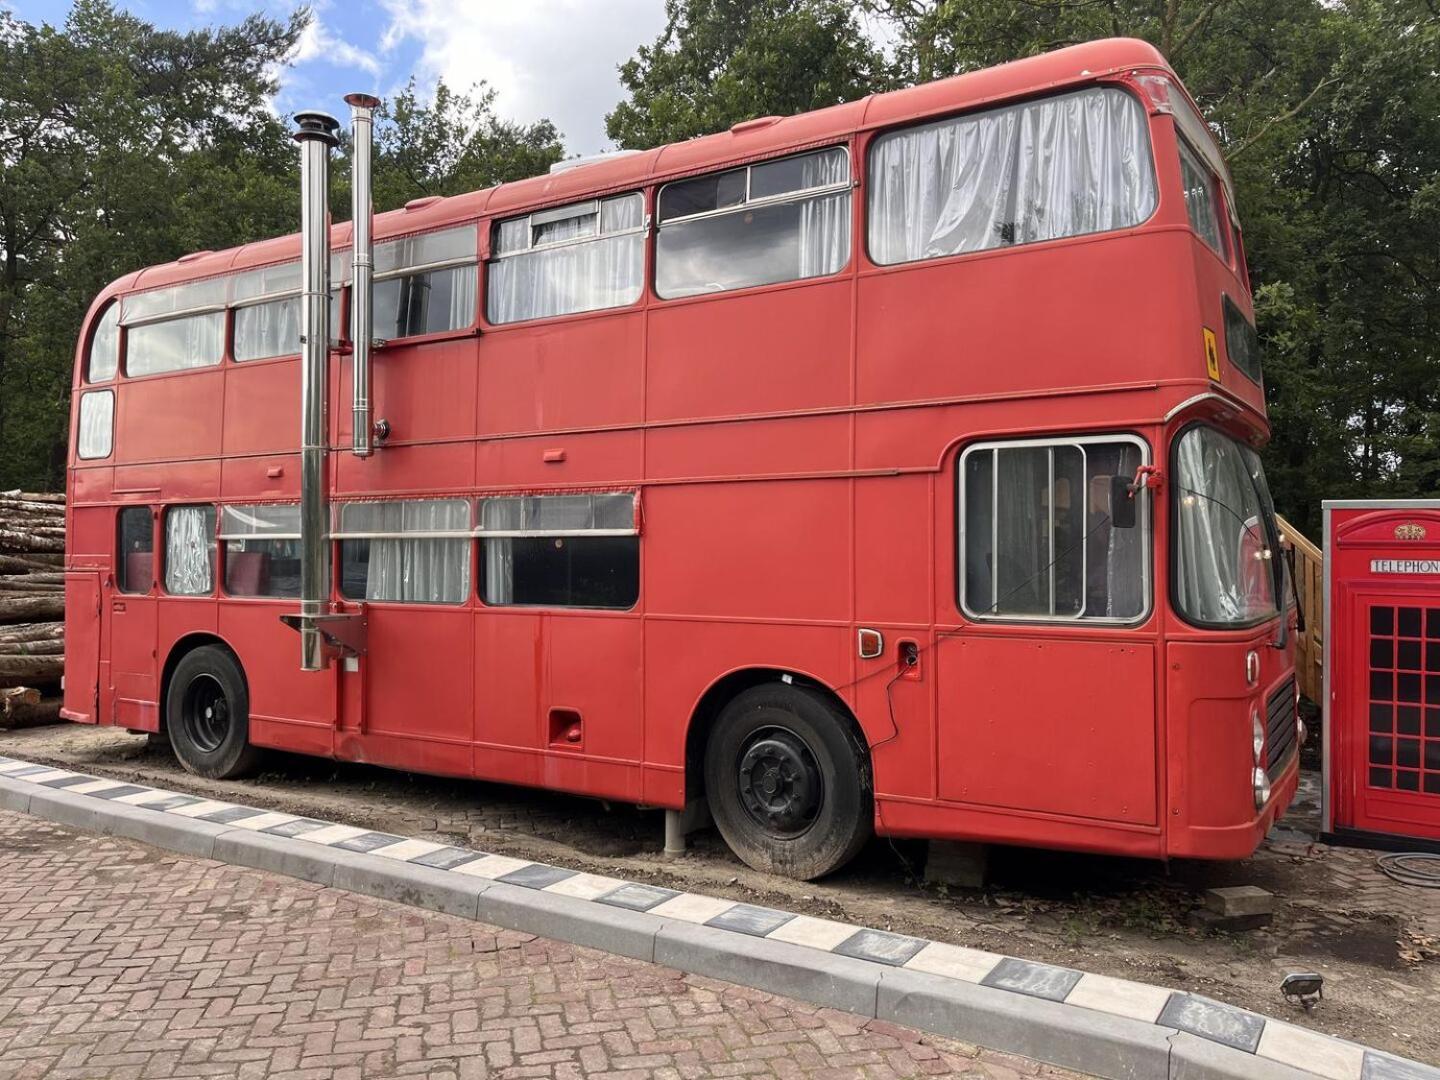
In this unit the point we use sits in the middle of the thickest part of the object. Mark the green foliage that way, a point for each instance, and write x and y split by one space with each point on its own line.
722 61
1329 113
123 145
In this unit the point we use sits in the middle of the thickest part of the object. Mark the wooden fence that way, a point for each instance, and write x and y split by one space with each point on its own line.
1310 586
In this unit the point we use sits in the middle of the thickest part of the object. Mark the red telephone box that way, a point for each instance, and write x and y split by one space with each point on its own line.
1382 672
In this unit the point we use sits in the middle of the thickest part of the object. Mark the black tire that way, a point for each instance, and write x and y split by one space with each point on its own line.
788 781
207 715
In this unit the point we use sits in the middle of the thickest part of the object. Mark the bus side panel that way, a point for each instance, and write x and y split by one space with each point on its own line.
170 417
976 324
765 352
82 647
1032 724
289 709
422 391
262 407
537 377
893 573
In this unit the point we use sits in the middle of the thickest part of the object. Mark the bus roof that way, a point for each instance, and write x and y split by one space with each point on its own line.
761 137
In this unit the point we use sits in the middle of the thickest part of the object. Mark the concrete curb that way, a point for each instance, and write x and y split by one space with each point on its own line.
999 1002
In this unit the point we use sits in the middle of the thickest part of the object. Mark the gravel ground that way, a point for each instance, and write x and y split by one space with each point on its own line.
1377 943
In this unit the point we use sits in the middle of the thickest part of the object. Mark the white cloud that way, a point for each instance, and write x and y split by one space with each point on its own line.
317 43
544 58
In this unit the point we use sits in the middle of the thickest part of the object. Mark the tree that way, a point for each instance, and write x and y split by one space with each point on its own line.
452 143
120 145
1329 116
722 61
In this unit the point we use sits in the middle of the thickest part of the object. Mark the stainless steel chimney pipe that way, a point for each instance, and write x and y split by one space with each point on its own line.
362 212
316 136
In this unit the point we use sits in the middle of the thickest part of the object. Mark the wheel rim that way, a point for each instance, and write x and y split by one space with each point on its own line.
780 783
206 713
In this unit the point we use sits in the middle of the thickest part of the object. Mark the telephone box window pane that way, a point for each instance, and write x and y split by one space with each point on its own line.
1432 723
1407 720
1380 778
135 566
190 550
1409 622
1407 753
1409 656
1382 620
1432 623
1382 653
1406 780
1382 750
1382 686
1408 688
1382 718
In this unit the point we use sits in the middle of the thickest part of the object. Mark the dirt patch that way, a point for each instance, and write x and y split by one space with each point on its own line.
1335 912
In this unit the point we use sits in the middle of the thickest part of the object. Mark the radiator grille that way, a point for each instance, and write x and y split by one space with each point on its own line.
1280 733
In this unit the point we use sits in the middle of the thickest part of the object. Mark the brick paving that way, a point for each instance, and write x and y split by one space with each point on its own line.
119 961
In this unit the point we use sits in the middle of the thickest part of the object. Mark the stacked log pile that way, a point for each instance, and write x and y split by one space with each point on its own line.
32 607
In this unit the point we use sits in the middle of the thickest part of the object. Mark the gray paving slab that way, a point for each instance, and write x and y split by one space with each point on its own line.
881 946
447 858
777 966
68 781
1091 1042
1037 980
750 919
110 794
1382 1066
1213 1020
368 841
638 897
536 876
230 814
298 827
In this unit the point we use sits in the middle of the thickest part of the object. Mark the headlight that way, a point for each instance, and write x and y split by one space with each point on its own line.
1257 733
1262 789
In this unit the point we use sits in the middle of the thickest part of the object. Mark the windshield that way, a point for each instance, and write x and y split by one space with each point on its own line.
1224 570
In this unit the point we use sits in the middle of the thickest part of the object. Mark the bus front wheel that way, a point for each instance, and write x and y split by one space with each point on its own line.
788 782
207 715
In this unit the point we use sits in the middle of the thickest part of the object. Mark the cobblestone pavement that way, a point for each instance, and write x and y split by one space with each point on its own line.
120 961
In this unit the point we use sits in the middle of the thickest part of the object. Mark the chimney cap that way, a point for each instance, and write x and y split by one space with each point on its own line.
314 124
362 101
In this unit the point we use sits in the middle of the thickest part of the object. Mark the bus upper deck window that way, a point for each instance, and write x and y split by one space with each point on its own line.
1202 202
776 221
104 359
1059 166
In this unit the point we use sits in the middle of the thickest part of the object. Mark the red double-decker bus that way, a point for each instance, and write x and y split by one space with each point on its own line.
888 468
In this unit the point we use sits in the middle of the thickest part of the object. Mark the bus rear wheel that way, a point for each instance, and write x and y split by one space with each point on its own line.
788 782
207 715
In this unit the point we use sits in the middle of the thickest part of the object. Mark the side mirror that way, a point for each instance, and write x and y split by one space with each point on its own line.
1122 503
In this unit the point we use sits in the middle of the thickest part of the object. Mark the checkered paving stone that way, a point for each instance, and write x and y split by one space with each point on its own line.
1229 1026
121 962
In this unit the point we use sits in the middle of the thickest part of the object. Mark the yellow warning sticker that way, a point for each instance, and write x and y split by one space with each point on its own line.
1212 354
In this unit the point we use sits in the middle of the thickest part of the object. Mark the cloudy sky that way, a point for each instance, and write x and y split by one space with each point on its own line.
545 58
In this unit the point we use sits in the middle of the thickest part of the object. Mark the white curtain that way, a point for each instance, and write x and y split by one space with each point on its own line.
105 346
176 344
97 424
825 221
432 570
190 550
589 276
263 330
1061 166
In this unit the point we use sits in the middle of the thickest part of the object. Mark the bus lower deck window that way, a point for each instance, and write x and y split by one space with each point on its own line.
408 551
190 550
262 550
135 562
560 551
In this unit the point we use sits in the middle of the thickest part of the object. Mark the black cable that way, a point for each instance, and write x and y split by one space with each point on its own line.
1419 870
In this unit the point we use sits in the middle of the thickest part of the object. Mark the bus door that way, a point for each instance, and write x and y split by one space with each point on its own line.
128 608
1047 694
